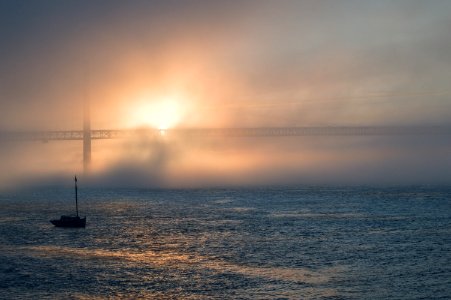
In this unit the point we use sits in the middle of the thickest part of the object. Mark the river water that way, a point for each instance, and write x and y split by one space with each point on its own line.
228 243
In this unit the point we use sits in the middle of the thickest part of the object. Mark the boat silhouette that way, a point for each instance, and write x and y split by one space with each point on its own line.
71 221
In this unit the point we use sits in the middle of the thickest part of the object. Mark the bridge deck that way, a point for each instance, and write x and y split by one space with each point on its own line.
227 132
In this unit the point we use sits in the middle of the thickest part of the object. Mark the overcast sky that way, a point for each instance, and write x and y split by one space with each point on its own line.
227 64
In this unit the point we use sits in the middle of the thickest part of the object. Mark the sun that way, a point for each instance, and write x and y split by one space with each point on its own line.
161 113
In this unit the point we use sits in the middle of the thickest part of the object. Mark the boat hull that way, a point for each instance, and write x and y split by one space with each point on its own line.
69 221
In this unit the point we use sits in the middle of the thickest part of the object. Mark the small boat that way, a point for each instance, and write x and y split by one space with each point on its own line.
71 221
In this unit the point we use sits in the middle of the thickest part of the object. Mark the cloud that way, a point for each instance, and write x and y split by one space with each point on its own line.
232 64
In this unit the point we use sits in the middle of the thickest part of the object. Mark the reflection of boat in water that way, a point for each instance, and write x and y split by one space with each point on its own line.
71 221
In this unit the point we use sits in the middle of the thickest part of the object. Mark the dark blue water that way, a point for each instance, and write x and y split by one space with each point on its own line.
255 243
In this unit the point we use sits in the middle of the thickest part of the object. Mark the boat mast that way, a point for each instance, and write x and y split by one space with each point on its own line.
76 195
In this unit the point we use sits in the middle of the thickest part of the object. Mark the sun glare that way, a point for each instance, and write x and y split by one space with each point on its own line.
161 113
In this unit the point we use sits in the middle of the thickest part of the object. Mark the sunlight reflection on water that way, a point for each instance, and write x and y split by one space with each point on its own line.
216 244
179 260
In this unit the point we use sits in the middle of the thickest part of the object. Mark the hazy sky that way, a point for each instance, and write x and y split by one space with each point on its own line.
228 64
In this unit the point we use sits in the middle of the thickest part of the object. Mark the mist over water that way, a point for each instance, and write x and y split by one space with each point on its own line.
163 64
174 216
171 162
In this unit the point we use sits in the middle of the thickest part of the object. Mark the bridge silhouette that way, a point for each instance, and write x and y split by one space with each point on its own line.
87 134
99 134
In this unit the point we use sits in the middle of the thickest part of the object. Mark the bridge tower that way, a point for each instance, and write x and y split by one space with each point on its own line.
86 135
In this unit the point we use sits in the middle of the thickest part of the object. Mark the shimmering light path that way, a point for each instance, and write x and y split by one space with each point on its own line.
305 242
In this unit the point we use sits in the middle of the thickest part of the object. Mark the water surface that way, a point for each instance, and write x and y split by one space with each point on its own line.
247 243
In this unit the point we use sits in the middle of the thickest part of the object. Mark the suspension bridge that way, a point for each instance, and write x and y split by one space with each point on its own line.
61 135
87 134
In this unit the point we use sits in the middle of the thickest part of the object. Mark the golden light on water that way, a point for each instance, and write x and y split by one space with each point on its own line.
176 259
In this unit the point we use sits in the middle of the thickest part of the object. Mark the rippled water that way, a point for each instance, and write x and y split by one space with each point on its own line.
284 243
